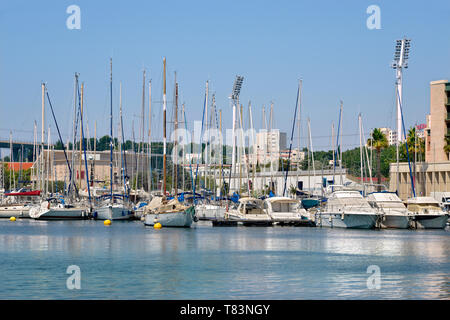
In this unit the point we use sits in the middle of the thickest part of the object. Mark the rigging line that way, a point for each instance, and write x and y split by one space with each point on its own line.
62 142
406 145
290 146
85 158
201 145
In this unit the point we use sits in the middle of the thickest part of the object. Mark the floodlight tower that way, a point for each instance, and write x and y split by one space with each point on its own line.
400 62
235 101
401 56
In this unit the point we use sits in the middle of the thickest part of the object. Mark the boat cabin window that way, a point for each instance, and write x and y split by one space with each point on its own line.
283 206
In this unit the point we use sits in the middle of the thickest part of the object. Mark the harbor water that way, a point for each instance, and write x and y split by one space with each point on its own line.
127 260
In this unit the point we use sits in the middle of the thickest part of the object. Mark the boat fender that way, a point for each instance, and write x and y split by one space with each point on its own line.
342 216
329 219
157 225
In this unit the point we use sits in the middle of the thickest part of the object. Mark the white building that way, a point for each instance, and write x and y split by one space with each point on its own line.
268 145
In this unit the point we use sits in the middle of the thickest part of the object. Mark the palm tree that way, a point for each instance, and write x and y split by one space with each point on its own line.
447 146
378 141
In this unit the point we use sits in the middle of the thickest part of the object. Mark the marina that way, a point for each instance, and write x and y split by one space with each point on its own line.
228 151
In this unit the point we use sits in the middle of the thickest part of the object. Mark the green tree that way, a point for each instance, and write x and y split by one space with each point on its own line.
378 141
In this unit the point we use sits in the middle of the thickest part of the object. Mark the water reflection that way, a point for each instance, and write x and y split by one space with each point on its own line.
129 261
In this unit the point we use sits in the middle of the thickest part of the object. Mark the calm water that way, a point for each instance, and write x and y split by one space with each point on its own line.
130 261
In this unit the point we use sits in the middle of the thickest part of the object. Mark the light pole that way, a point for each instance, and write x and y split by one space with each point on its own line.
400 62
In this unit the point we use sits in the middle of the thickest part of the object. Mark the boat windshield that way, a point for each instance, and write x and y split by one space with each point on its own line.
284 206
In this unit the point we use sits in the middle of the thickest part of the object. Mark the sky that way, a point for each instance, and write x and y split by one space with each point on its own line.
272 44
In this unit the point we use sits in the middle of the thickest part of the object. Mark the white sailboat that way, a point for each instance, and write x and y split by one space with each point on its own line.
113 206
160 210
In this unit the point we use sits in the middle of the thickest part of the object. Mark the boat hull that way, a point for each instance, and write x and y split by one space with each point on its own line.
429 221
310 203
113 213
349 220
210 212
62 214
182 219
395 221
17 212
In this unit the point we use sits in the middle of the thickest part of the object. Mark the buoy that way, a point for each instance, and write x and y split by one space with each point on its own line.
12 219
157 225
107 222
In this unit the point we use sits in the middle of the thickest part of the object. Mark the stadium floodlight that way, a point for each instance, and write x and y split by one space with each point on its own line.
237 87
400 62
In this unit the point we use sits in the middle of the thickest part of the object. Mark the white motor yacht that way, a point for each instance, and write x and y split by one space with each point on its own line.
394 213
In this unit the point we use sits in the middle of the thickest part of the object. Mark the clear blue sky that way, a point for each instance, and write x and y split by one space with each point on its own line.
271 43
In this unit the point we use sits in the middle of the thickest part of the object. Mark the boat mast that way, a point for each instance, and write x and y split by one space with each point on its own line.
184 145
340 147
42 139
81 133
11 155
270 152
334 151
111 135
150 134
175 153
164 129
141 146
95 153
298 129
361 152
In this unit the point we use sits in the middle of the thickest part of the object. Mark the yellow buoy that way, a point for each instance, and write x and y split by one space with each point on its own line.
157 225
107 222
12 219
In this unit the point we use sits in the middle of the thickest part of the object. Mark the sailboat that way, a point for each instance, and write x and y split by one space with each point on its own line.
55 207
113 206
169 213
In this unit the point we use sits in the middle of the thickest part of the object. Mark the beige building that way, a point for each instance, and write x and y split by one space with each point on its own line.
98 166
428 177
433 175
438 121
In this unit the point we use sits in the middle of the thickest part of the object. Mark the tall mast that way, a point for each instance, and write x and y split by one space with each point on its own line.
81 133
95 153
175 168
164 130
298 128
11 155
340 147
184 144
334 151
111 135
120 137
264 123
141 161
42 138
360 151
150 135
